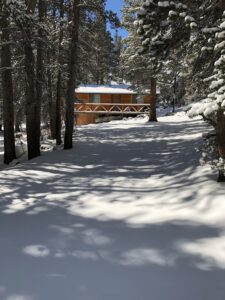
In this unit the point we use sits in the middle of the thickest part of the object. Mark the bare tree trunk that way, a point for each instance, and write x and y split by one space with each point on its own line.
220 133
33 136
7 91
59 81
153 98
58 120
17 120
31 4
51 102
51 99
32 105
40 68
69 122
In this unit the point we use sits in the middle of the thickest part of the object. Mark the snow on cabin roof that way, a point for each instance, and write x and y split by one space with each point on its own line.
105 89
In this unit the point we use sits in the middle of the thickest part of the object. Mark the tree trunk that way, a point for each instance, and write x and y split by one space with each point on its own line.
58 120
51 102
174 93
51 98
220 134
18 119
40 69
153 98
33 135
7 93
31 4
32 104
59 80
69 122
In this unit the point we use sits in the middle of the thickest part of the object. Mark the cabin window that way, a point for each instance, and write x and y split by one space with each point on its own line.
140 99
94 98
134 99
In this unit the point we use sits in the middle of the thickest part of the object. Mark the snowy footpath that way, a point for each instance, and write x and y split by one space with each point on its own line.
128 214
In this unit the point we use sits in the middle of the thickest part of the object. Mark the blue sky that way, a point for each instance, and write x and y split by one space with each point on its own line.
116 5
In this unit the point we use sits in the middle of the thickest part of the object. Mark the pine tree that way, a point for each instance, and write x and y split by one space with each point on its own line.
116 52
138 69
96 47
175 34
213 107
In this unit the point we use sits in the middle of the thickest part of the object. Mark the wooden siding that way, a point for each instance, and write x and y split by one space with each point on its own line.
126 99
105 98
147 99
85 119
83 97
108 98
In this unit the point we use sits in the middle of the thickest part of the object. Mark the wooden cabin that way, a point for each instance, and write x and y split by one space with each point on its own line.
99 101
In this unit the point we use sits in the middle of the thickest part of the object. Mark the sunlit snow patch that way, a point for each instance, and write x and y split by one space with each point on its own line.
36 250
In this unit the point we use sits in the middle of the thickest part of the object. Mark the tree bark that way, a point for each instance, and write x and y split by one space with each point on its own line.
69 122
51 98
33 135
7 93
58 119
32 103
31 4
51 102
18 118
220 134
153 98
40 68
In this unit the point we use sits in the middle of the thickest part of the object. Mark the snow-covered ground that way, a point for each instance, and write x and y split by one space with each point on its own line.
128 214
47 145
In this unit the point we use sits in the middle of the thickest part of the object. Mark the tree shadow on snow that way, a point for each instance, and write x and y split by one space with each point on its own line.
127 214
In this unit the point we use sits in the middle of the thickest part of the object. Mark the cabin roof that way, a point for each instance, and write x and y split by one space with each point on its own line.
105 89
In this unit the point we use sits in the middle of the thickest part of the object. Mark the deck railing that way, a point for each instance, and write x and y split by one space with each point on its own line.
111 108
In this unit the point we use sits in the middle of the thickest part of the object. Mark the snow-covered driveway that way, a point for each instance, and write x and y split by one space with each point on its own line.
128 214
